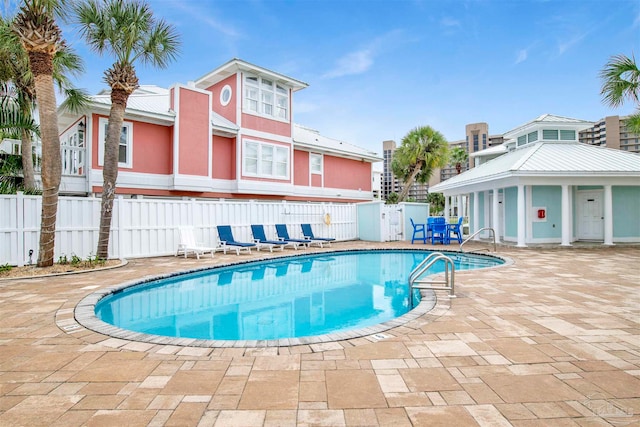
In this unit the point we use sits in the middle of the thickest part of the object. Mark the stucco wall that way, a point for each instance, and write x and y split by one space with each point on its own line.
626 212
549 197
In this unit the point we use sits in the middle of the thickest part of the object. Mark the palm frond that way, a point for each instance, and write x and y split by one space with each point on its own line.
620 80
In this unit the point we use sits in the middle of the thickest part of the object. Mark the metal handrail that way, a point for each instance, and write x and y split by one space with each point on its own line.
492 234
449 279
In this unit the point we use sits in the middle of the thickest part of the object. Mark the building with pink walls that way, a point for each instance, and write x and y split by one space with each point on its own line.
227 134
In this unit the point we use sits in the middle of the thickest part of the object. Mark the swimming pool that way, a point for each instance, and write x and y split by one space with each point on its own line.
296 297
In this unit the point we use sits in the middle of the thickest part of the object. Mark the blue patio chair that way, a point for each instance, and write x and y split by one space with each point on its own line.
307 232
260 239
419 232
440 233
283 235
456 229
228 242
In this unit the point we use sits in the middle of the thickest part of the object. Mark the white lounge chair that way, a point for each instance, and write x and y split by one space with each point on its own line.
188 244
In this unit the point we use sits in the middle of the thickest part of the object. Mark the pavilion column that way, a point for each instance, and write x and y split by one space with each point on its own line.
496 214
476 213
460 206
566 216
522 219
446 207
608 215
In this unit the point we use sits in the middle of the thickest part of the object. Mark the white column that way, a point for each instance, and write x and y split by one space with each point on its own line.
566 216
476 213
522 219
460 206
608 215
446 207
496 214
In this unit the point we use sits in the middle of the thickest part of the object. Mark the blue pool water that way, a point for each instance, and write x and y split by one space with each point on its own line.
283 298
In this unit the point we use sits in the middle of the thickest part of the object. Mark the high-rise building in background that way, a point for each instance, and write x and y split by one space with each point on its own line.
390 184
612 132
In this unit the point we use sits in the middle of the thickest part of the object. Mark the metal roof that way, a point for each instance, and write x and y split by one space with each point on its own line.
146 100
550 159
312 140
549 118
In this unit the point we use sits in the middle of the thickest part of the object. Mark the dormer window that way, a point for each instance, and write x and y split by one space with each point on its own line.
265 97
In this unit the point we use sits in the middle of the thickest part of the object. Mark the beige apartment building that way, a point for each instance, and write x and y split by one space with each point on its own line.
612 132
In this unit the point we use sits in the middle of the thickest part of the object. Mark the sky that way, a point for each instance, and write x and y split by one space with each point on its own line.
378 68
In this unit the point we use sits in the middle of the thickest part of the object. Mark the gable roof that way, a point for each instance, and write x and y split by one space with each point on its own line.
550 159
235 65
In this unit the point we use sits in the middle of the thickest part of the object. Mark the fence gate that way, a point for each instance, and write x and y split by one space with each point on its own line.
392 222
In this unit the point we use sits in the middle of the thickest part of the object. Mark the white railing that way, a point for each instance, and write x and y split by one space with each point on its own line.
149 227
73 161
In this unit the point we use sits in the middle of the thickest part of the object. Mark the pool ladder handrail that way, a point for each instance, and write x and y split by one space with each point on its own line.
449 275
492 234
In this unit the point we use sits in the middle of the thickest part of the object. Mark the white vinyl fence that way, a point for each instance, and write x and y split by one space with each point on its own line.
149 227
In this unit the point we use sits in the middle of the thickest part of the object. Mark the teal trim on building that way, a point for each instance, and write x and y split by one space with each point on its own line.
510 200
626 211
549 197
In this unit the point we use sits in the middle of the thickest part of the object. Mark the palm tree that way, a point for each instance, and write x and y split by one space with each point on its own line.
423 149
459 156
128 31
14 70
41 38
620 81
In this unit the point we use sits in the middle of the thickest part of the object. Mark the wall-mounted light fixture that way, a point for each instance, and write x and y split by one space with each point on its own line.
81 126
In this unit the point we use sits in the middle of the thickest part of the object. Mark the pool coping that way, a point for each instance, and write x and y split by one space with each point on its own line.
84 310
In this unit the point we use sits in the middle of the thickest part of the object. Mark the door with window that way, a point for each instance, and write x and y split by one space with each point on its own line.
590 215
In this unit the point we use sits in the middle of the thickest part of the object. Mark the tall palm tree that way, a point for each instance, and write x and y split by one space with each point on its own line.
459 156
423 149
14 69
41 38
621 81
128 31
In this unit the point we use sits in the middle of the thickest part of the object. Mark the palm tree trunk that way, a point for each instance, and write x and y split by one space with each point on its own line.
51 160
409 182
110 168
28 174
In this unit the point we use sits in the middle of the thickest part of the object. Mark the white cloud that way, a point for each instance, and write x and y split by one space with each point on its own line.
202 15
522 56
360 61
565 45
449 22
352 63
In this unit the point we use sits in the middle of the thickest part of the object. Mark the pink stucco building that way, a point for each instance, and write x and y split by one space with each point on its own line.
228 134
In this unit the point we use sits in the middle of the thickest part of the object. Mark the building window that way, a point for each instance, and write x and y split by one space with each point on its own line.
568 135
315 163
125 147
266 97
265 160
475 142
522 140
532 136
550 134
484 141
225 95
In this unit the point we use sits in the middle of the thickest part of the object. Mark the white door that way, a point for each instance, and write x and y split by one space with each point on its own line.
392 225
590 215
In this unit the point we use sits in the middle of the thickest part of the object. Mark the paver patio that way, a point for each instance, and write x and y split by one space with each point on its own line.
552 339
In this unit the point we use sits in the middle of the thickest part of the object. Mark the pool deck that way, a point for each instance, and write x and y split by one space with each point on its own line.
552 339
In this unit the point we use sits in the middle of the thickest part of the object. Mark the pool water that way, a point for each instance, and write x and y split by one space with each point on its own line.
289 297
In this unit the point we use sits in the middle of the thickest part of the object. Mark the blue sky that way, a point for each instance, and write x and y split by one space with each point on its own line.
377 69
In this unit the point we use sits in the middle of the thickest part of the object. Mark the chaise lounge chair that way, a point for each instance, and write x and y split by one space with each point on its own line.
283 235
260 239
228 242
307 232
188 244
